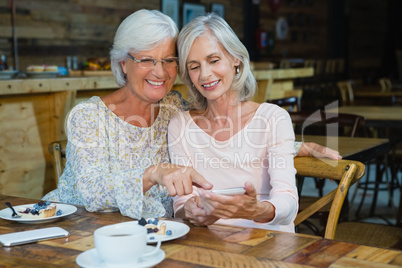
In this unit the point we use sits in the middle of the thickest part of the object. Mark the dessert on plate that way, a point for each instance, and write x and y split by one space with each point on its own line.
154 225
39 211
51 68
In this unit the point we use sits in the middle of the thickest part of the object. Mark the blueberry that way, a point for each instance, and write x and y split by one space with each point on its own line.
34 212
149 230
155 221
59 212
48 203
169 232
150 221
40 205
152 238
142 222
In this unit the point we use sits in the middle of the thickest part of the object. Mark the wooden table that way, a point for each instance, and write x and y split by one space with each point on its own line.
359 149
213 246
378 116
377 94
389 121
384 97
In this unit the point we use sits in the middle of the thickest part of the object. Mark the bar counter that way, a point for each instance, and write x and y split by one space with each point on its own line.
58 84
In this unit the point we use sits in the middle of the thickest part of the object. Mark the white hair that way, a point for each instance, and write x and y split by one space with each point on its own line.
244 84
141 31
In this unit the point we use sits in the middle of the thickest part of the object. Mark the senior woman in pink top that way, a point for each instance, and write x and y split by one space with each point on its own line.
229 140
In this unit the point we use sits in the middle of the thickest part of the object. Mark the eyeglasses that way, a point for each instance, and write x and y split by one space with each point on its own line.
151 63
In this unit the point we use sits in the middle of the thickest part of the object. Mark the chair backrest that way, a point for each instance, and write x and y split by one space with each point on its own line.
58 151
330 66
399 62
307 123
386 84
346 92
261 65
347 172
263 87
284 64
289 103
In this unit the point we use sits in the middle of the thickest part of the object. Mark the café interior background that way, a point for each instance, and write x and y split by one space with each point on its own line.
365 33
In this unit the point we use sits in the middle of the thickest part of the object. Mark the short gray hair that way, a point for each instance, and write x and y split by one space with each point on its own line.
245 83
141 31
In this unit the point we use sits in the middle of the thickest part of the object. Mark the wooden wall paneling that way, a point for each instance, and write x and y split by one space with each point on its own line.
24 128
278 89
81 28
83 95
32 114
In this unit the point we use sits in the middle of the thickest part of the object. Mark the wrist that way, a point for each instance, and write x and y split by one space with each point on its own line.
148 179
265 212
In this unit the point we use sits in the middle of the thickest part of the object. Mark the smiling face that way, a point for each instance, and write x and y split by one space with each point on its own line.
210 67
151 84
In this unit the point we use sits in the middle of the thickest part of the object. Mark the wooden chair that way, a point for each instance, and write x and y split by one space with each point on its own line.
386 84
289 103
346 92
398 54
306 123
58 151
263 87
349 125
285 64
371 234
347 172
261 65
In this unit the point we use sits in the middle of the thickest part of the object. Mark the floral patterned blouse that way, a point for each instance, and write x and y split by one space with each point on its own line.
106 158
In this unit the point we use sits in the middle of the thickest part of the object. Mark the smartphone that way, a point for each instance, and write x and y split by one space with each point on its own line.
25 237
230 191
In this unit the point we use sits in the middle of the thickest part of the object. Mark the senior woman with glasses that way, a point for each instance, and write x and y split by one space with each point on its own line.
117 156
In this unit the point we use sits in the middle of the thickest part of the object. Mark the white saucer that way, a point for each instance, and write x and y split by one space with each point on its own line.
91 259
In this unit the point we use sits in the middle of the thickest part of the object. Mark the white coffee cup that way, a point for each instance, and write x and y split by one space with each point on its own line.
123 243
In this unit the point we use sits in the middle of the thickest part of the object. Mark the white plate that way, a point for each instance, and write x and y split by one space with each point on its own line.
91 259
7 74
178 230
65 210
42 74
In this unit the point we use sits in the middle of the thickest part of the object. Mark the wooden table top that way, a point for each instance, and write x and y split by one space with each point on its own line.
383 116
378 97
376 94
213 246
290 73
359 149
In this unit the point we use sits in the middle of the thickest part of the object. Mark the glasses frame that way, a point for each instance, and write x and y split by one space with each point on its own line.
154 61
